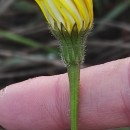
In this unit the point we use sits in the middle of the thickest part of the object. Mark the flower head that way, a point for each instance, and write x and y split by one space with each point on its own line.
68 13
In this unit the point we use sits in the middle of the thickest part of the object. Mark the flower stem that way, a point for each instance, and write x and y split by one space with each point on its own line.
74 78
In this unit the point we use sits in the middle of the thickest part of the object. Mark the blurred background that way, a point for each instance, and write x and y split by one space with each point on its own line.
28 49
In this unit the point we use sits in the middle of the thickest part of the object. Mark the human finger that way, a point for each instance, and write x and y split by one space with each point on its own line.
43 103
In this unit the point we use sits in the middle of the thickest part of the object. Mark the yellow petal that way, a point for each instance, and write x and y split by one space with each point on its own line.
89 5
82 9
68 12
69 21
70 6
55 14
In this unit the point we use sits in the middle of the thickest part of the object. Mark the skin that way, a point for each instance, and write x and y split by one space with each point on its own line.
42 103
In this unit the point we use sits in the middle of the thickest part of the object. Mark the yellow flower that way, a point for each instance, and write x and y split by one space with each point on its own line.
68 13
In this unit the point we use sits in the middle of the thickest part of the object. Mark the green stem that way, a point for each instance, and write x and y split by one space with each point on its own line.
74 78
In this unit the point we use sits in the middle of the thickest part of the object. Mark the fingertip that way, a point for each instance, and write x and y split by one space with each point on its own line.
28 105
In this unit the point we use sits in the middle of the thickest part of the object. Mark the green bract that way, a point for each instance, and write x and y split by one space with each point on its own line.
72 44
